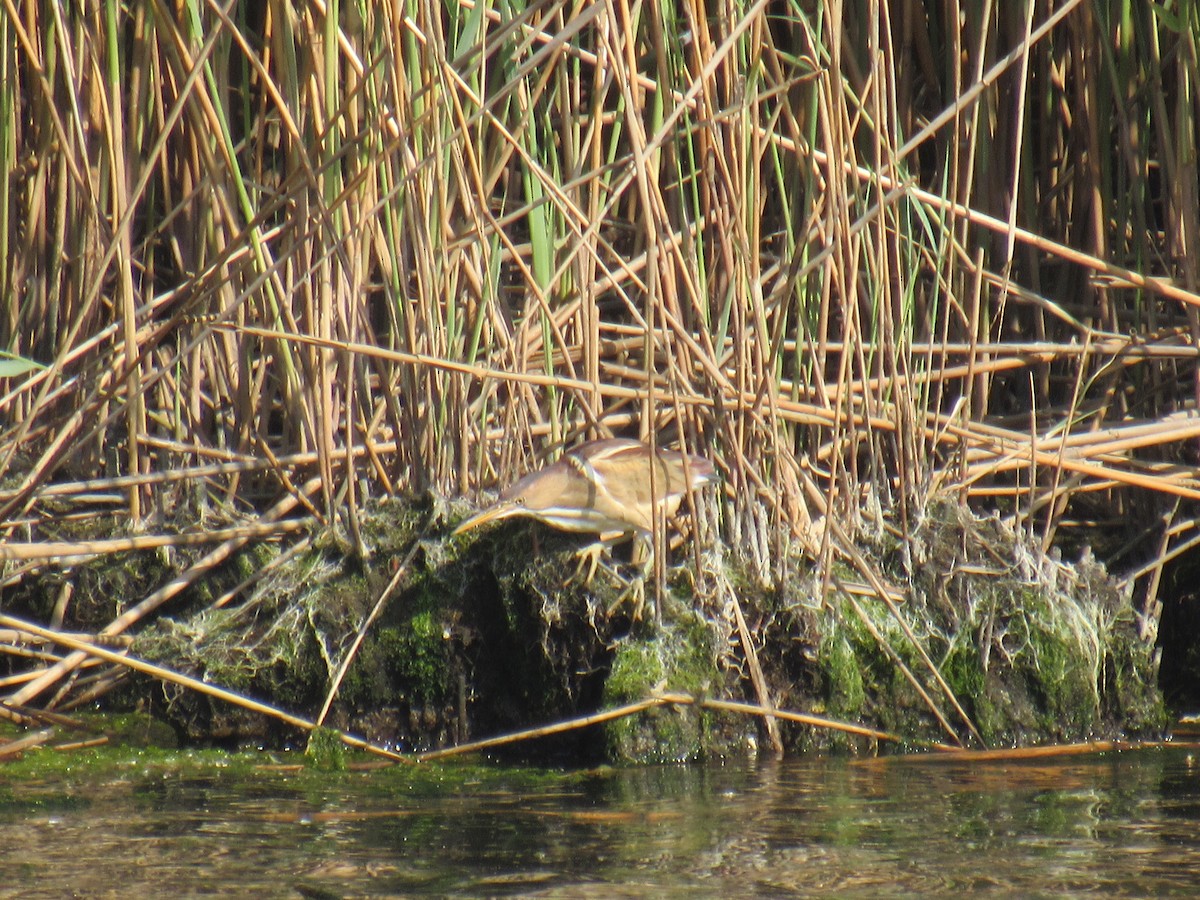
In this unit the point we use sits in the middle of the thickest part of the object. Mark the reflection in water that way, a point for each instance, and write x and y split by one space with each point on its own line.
1120 824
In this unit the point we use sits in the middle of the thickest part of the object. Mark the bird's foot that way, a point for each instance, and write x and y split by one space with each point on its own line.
635 595
589 557
632 586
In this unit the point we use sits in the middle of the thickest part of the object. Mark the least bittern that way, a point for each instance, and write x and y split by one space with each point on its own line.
604 488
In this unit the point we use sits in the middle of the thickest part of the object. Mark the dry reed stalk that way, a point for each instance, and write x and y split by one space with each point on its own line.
148 605
80 745
73 552
29 675
661 699
403 570
761 690
25 742
193 684
1021 754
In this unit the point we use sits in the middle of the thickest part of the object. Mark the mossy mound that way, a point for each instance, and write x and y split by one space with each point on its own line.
488 634
1032 648
680 658
479 638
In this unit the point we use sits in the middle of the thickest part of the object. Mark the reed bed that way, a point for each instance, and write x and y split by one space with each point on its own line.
261 263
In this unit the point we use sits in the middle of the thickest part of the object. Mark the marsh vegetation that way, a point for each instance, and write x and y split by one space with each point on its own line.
285 290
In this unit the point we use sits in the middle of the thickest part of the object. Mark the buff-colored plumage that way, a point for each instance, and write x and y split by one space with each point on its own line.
609 488
602 487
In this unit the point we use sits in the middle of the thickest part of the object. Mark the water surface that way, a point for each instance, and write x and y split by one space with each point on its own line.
1120 824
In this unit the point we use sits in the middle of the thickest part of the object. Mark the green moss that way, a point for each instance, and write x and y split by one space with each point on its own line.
1059 660
963 671
845 694
1041 654
416 655
862 682
404 659
325 751
678 659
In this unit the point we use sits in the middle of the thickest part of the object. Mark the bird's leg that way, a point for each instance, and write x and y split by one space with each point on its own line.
635 587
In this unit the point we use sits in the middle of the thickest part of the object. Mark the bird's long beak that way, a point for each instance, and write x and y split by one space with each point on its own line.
501 510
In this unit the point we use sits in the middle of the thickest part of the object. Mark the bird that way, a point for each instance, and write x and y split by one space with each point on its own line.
603 487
